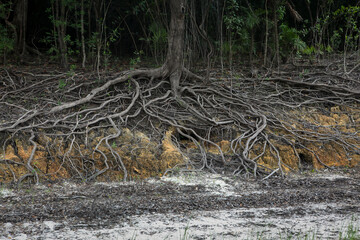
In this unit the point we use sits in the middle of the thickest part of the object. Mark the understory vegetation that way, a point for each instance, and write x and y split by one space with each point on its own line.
108 90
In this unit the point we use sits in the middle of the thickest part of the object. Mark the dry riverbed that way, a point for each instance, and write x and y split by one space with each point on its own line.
186 206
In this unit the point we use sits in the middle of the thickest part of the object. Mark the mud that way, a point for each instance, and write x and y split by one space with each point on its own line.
185 206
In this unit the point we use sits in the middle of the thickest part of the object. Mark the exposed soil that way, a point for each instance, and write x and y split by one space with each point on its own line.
198 205
132 124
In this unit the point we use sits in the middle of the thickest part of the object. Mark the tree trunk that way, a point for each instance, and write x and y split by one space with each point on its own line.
61 30
221 11
266 33
98 4
18 25
82 34
276 33
21 22
173 65
54 24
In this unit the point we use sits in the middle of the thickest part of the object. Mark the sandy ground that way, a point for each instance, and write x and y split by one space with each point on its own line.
185 206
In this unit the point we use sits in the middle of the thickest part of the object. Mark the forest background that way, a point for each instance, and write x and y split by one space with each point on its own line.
95 33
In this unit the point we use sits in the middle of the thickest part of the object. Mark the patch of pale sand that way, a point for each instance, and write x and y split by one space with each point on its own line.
4 192
331 176
269 223
322 174
215 183
241 224
50 225
120 183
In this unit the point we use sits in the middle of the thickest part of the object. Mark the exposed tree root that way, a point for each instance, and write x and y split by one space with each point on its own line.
256 116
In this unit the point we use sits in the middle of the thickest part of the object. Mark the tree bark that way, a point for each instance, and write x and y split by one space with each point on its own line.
18 25
60 16
82 35
173 66
21 22
266 33
276 32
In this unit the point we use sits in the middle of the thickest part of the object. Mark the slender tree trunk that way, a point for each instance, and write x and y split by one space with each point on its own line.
173 65
24 14
276 33
311 21
205 7
221 20
266 33
252 44
82 35
89 18
18 25
98 7
54 24
194 54
61 30
230 48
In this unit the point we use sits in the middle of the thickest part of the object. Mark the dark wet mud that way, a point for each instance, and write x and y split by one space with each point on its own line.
192 205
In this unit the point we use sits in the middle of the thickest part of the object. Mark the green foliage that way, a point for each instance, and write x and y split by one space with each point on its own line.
241 23
70 21
335 39
334 27
115 34
240 20
141 7
281 12
50 40
136 60
313 52
309 50
158 38
232 20
71 72
185 235
352 232
290 40
341 27
5 8
329 49
73 46
350 15
6 41
91 42
62 84
112 38
234 48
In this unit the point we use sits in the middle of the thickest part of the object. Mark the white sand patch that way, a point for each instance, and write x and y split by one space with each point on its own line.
6 193
269 223
215 183
50 225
